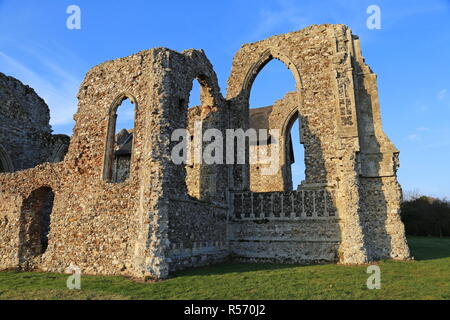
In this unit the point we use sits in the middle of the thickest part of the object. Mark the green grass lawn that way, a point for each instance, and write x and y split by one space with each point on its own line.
426 278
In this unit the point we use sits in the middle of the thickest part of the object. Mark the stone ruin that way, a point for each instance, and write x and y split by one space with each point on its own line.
115 204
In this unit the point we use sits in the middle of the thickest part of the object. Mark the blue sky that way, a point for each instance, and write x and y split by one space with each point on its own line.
410 54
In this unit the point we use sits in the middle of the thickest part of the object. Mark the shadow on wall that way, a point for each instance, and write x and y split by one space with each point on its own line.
374 216
5 161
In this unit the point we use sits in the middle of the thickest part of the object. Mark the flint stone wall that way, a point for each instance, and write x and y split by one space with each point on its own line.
337 102
26 138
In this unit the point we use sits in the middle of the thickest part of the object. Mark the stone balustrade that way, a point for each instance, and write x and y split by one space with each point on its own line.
299 204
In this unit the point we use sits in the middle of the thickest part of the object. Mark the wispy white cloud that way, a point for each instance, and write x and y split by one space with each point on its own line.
414 137
423 107
437 144
442 94
288 15
419 134
429 138
57 86
409 9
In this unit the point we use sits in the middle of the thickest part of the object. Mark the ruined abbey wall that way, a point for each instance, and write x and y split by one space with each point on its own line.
168 216
378 164
122 228
26 138
337 103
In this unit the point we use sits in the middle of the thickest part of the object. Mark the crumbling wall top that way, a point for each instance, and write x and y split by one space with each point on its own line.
20 102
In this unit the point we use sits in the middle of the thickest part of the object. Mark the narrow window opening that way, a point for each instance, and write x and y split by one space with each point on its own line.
194 96
199 179
120 143
295 155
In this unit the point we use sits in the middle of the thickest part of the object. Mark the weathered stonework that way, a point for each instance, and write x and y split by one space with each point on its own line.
159 216
25 133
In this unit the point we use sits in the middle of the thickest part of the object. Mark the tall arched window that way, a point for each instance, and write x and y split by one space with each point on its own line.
119 144
271 84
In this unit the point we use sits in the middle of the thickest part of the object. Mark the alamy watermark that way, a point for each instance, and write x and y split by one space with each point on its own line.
73 22
374 280
74 281
374 20
207 147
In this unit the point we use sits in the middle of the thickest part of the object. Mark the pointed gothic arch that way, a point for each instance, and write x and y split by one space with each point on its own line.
267 56
246 87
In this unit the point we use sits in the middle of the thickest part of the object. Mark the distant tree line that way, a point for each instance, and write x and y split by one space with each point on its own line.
426 216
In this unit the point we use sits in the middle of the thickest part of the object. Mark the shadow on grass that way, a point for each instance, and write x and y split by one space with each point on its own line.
422 248
428 248
233 267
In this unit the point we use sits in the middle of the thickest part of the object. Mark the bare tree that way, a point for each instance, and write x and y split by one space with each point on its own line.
411 195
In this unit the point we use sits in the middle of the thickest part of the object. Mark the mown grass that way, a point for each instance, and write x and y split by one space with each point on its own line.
428 277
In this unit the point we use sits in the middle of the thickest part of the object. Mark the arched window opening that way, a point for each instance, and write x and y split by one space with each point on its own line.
295 156
35 219
119 147
194 96
200 178
192 167
271 84
268 91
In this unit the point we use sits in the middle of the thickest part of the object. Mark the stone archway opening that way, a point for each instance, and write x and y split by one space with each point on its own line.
35 217
200 176
273 85
272 82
